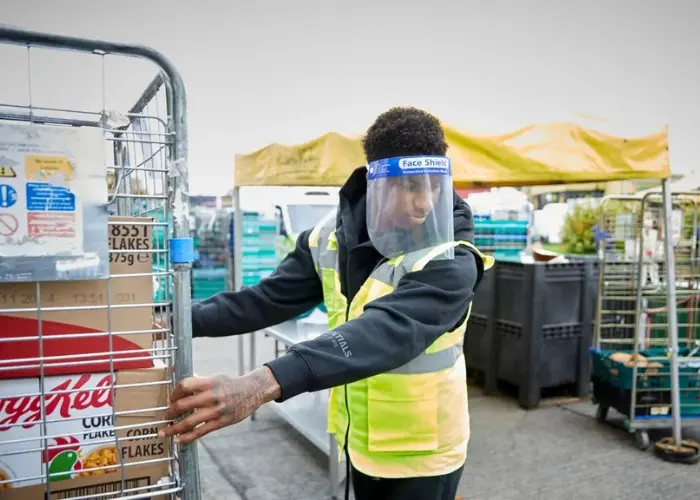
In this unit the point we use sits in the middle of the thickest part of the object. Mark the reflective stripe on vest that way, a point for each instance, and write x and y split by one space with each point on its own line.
325 256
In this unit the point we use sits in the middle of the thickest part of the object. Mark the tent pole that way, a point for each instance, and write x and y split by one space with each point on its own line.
672 315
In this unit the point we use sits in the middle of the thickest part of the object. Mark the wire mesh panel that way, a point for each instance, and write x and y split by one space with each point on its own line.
633 269
631 362
86 365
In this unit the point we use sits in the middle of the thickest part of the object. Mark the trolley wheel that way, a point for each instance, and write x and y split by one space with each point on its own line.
601 413
688 452
642 438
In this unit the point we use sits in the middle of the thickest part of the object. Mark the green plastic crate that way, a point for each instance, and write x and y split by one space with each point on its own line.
620 376
688 324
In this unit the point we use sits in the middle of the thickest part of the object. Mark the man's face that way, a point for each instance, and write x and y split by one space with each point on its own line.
414 199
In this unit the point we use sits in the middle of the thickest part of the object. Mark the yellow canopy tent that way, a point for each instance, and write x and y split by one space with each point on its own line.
558 153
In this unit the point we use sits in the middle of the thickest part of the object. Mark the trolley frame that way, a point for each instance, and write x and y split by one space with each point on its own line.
632 423
175 201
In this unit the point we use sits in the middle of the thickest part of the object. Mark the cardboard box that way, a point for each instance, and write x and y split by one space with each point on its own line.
109 486
82 453
87 353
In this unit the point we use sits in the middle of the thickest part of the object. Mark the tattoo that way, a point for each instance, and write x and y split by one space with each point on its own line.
225 398
236 398
218 391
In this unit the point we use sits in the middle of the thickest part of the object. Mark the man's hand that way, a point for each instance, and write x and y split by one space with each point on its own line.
217 402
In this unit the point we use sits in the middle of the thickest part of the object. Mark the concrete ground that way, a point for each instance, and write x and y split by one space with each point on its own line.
550 453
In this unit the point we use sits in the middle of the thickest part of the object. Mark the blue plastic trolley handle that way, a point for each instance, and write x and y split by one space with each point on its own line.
181 250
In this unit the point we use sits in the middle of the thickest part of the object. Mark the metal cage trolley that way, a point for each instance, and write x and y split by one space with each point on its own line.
95 323
646 357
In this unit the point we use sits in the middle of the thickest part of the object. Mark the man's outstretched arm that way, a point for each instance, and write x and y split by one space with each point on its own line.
392 330
291 290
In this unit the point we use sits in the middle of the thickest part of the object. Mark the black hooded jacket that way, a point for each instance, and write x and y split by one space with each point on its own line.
392 330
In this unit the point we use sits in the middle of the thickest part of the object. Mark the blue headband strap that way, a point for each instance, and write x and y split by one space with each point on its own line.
408 165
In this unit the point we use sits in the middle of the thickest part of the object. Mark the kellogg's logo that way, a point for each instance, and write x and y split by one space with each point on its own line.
27 409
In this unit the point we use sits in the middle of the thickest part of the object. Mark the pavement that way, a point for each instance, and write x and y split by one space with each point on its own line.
558 452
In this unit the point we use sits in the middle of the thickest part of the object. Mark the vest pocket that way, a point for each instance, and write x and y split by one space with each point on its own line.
402 413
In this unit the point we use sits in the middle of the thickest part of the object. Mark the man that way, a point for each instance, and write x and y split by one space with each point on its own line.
397 273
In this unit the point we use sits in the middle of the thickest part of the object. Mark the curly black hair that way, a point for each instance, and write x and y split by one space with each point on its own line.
404 131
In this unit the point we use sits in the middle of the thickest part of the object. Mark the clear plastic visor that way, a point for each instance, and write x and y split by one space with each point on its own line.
409 204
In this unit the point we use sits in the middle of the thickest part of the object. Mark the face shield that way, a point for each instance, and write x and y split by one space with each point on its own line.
410 204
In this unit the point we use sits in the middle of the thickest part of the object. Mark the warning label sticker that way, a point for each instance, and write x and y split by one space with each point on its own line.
8 224
41 225
41 207
39 167
7 167
45 197
8 196
7 172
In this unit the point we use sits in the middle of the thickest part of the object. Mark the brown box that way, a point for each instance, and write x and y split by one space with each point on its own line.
82 455
108 485
87 353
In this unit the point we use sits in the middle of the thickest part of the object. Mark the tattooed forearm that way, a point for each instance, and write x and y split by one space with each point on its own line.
217 402
236 398
268 384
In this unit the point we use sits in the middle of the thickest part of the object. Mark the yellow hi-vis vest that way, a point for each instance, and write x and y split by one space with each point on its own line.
412 421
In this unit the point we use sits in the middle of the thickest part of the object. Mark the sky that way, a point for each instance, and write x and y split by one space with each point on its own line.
259 72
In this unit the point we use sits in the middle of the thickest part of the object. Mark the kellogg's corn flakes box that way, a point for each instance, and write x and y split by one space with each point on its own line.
89 429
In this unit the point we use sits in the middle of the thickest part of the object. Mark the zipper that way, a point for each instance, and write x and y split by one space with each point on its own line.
347 428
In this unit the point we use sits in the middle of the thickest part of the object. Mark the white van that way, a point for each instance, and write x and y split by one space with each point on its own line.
303 210
300 209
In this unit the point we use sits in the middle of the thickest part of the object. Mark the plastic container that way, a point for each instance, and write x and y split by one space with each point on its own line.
531 326
613 382
500 237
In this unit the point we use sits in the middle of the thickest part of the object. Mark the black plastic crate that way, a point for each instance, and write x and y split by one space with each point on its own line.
477 344
621 399
531 326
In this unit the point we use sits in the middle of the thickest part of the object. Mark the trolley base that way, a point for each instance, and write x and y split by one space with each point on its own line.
688 452
606 397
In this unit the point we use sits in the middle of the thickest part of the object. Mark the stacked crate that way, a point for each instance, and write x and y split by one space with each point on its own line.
209 273
501 238
207 282
259 252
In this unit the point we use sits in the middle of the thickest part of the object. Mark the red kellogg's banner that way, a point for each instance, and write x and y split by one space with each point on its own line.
65 400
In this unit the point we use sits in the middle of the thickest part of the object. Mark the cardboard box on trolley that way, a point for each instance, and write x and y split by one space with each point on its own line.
90 352
82 453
